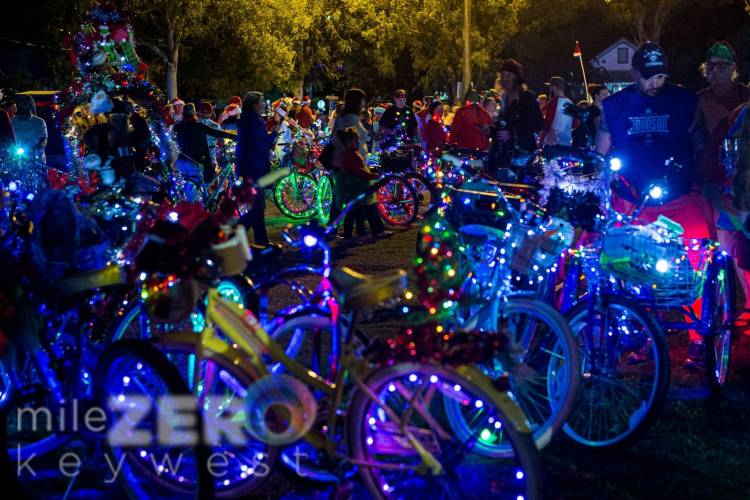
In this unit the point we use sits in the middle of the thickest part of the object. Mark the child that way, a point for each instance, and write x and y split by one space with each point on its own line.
353 180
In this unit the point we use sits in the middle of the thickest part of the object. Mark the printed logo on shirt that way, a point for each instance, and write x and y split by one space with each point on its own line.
648 124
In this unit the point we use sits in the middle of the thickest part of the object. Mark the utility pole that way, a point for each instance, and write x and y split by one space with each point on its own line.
467 48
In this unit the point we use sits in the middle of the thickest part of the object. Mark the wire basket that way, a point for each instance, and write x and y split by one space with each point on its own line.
655 265
535 249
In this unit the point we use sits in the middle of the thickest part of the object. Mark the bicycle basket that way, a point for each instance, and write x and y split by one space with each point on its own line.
537 248
655 264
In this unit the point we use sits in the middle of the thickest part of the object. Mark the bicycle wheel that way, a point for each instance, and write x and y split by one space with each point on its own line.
217 382
295 196
403 405
324 199
717 317
305 337
541 365
29 432
625 373
427 194
131 374
397 201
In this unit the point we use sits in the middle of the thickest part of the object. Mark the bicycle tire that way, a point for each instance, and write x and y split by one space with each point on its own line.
397 201
427 193
719 296
362 423
296 203
545 372
645 412
18 452
151 359
324 200
178 344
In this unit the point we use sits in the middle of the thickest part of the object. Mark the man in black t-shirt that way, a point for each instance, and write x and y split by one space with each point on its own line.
399 119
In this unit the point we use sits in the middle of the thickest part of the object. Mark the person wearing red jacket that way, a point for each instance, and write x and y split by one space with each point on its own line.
471 125
353 180
305 116
433 132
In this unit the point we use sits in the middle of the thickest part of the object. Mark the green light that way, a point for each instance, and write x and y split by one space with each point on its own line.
487 436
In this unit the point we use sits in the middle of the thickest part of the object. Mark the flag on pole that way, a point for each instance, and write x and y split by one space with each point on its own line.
577 51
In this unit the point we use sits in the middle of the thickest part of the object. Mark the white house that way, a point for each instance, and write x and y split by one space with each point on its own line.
612 65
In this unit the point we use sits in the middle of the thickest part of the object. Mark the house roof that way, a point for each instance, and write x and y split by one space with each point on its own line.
612 47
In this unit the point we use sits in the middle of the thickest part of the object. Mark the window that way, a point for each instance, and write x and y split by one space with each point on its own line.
622 55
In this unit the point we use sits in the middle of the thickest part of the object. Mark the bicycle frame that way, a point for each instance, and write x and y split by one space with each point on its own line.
247 335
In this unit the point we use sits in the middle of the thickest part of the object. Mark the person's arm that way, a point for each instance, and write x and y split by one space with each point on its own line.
219 134
354 164
603 137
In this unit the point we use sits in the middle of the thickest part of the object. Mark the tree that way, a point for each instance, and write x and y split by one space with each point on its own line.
429 32
169 22
646 18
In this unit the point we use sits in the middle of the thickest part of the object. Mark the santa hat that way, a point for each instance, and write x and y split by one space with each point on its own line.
235 100
306 100
231 110
178 102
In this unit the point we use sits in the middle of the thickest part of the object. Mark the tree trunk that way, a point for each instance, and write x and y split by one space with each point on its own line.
467 47
173 57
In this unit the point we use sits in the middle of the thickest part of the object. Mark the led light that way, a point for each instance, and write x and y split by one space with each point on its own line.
662 266
20 151
309 240
615 164
656 192
173 216
413 377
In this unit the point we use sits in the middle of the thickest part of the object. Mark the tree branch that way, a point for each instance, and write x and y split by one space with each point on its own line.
159 52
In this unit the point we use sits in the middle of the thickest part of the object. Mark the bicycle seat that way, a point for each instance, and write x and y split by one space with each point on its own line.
359 291
89 280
